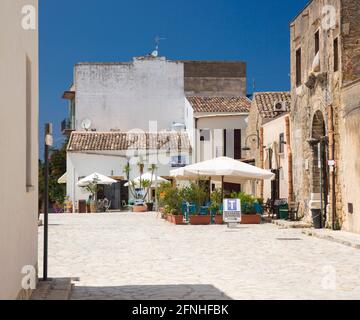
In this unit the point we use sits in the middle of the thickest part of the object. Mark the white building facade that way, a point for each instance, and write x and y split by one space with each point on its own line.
18 144
115 106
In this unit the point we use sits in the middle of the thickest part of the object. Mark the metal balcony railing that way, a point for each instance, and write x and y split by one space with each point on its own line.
66 126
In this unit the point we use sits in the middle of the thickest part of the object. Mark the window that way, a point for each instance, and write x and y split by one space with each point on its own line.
204 135
336 54
178 161
298 68
281 143
28 125
317 42
224 142
237 144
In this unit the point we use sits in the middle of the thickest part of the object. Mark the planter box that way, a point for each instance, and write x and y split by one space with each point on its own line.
250 219
140 208
200 220
179 219
219 219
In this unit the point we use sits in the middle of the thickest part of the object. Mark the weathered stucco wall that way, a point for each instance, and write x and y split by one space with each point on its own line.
215 78
331 90
110 164
18 129
126 96
350 142
350 11
272 131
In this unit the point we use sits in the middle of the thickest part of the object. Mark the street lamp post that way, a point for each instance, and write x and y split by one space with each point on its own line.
48 142
254 136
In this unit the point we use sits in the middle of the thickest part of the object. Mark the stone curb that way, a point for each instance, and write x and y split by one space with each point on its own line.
313 233
54 289
291 224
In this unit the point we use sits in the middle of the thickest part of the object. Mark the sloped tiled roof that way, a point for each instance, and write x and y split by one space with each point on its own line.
265 102
220 104
117 141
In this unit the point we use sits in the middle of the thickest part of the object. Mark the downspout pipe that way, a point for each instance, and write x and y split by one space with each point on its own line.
262 160
290 161
332 170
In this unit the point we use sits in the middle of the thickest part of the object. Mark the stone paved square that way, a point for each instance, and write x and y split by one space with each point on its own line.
140 256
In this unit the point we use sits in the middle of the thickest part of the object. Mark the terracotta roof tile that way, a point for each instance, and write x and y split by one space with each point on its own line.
220 104
117 141
265 102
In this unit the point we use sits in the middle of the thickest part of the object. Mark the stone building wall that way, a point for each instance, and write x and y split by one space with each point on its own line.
310 105
329 91
253 127
349 116
215 78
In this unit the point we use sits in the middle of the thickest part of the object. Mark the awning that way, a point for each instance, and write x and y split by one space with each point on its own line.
63 179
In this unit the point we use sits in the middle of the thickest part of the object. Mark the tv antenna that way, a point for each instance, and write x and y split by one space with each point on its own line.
155 53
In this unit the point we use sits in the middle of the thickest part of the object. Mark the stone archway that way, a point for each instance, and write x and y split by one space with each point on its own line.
319 171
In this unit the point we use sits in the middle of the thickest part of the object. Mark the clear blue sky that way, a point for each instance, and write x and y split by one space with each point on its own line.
72 31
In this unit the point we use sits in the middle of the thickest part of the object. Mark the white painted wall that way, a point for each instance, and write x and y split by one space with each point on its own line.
190 126
216 124
19 205
109 164
272 131
127 96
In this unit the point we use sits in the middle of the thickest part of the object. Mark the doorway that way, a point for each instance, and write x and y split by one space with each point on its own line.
320 172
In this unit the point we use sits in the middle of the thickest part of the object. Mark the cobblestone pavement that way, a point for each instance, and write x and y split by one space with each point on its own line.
139 256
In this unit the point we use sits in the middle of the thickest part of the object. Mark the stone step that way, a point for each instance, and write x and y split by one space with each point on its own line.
291 224
53 289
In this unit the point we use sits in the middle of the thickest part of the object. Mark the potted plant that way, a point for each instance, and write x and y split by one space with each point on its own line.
215 207
150 206
197 220
195 194
248 212
139 190
171 199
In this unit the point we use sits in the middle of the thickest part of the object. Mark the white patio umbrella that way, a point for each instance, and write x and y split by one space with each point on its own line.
96 178
147 176
222 169
62 179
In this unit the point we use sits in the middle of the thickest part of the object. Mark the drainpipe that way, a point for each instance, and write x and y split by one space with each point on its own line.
262 160
332 157
290 161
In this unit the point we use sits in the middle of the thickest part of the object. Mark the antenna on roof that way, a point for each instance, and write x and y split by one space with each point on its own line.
155 53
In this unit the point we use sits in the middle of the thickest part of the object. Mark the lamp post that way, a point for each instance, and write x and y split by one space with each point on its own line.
254 136
48 142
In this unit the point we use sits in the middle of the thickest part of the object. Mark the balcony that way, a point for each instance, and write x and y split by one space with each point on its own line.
66 127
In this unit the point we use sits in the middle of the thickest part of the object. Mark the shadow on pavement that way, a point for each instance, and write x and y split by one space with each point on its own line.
149 292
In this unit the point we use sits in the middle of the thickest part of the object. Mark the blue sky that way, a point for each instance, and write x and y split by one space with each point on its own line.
72 31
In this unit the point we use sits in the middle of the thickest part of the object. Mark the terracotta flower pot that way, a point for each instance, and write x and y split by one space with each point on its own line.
139 208
219 219
250 219
200 220
178 219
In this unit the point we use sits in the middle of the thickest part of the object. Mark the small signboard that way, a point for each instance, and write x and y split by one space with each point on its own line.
232 211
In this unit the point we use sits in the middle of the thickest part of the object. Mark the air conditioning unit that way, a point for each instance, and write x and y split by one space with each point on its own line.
176 126
280 106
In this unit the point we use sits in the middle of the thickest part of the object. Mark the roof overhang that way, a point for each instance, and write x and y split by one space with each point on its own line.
219 115
68 95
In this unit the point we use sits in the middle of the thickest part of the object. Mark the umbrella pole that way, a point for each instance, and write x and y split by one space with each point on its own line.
222 188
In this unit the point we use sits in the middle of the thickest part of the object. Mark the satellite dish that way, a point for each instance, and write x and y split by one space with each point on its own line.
155 53
86 124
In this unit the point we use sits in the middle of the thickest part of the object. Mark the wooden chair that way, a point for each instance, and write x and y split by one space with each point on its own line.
293 211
